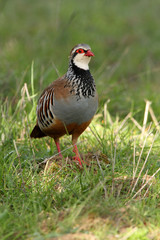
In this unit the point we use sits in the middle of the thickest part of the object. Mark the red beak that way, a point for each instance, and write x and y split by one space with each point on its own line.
89 53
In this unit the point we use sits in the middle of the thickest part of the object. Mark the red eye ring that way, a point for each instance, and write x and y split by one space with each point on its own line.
80 51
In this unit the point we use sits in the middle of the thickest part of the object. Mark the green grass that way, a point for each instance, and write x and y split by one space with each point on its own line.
114 197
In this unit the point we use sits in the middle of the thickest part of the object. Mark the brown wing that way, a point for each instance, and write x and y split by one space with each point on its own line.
45 108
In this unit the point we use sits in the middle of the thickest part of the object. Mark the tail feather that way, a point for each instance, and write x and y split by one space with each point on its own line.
37 133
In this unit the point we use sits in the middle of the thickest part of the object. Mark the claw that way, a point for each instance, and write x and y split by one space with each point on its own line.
76 158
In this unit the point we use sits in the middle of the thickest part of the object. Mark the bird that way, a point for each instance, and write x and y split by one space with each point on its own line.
68 104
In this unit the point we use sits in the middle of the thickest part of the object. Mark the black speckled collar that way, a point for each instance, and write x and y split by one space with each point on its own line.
82 81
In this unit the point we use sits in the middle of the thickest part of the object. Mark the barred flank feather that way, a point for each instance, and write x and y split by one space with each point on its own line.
44 109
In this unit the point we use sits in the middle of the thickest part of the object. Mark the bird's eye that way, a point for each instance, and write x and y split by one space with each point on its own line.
80 51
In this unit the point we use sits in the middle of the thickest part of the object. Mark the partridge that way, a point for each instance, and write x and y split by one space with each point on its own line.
68 105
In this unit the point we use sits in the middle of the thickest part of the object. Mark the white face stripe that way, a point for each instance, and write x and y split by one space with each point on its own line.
83 46
75 49
82 61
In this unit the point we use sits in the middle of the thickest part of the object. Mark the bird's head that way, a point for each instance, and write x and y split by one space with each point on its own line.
81 55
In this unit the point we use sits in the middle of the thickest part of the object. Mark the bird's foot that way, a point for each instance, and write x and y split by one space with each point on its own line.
77 158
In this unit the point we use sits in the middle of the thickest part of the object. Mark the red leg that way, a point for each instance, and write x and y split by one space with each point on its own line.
77 157
58 148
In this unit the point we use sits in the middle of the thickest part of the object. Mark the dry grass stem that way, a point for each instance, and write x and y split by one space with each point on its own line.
136 123
144 177
27 92
148 103
154 118
144 143
143 186
107 116
139 159
134 157
144 162
15 146
123 122
146 192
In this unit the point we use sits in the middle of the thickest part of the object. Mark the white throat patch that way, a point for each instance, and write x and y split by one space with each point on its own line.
82 61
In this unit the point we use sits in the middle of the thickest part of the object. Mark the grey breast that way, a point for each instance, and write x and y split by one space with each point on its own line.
75 111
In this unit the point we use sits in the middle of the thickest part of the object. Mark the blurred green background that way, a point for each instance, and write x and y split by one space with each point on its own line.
124 35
